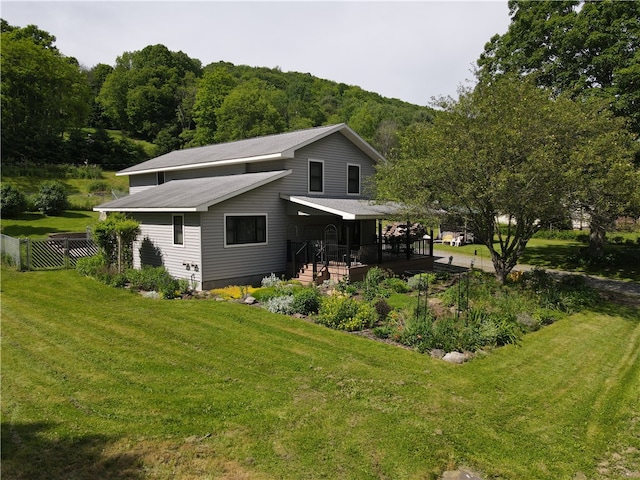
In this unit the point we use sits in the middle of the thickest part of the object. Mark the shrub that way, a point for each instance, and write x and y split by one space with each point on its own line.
271 281
421 281
418 333
396 285
91 266
51 198
306 301
115 236
12 201
373 285
382 309
344 313
147 278
282 304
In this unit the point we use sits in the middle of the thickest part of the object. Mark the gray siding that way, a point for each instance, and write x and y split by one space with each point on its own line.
243 264
336 152
138 183
155 247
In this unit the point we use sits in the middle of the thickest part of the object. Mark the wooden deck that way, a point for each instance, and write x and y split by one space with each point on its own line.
357 272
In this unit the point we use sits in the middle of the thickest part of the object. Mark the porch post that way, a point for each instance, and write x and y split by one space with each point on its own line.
379 241
408 240
348 224
431 242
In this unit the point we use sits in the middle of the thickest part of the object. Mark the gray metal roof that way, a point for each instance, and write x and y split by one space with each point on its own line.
256 149
348 208
190 195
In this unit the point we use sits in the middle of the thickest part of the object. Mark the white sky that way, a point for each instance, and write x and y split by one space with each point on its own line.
408 50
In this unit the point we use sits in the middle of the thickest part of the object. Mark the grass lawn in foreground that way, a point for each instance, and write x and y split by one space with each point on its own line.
102 383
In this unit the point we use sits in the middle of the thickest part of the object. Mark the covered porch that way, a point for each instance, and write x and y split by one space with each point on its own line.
330 238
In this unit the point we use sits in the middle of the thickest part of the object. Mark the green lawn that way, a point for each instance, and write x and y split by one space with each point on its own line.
38 225
101 383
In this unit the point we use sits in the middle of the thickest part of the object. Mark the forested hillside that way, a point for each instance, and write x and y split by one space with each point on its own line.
54 111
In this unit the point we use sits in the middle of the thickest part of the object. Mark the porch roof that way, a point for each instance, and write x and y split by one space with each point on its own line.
190 195
347 208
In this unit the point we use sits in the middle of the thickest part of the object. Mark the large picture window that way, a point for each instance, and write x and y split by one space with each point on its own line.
178 230
353 179
316 176
245 229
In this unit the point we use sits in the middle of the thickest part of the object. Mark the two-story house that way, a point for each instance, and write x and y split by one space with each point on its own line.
235 212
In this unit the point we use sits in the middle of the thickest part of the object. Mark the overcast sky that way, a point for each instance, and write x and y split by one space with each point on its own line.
408 50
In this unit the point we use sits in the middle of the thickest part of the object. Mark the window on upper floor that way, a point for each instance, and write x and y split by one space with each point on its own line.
245 229
178 229
353 179
316 176
160 178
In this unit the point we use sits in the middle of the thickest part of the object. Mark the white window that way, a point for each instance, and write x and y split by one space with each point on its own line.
353 179
316 176
245 229
178 229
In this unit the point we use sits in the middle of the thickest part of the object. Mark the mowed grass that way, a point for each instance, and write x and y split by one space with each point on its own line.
102 383
38 225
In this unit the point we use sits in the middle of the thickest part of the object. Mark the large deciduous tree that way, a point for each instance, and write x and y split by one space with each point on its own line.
577 47
44 94
151 91
504 151
250 110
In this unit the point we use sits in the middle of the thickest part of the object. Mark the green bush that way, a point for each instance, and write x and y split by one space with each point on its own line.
91 266
345 313
306 300
12 201
51 198
421 281
396 285
374 284
147 278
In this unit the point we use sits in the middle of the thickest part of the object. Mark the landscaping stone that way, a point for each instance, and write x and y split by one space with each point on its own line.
460 475
454 357
437 353
250 300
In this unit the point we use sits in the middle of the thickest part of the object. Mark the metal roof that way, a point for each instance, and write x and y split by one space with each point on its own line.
190 195
257 149
348 208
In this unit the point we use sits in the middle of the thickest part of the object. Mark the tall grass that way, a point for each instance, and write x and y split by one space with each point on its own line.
101 383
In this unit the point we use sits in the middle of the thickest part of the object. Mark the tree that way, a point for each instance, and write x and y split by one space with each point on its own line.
115 236
43 95
12 201
506 150
51 198
250 110
215 85
582 48
608 183
149 91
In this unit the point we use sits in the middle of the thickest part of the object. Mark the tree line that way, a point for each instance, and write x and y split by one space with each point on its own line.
55 111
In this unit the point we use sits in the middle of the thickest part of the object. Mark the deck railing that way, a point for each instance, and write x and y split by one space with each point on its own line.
318 253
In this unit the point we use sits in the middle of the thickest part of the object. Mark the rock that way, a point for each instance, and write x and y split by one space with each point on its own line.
250 300
460 475
151 294
437 353
454 357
